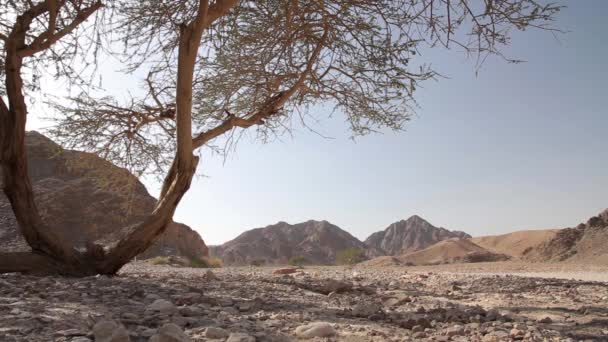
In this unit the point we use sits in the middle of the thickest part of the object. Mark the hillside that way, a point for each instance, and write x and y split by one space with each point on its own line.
410 235
451 251
587 243
317 241
516 243
87 198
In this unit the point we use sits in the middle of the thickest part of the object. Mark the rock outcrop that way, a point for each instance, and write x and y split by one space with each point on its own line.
587 242
87 198
410 235
316 241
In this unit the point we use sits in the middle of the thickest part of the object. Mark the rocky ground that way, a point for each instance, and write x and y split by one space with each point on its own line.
445 303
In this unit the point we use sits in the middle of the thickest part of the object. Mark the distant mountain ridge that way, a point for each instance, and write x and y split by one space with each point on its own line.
410 235
317 241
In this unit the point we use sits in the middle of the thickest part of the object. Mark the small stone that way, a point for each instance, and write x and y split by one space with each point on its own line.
246 306
516 333
210 276
129 316
81 339
456 330
191 311
365 310
495 336
163 306
170 333
337 286
70 333
238 337
213 332
110 331
545 320
287 270
316 329
420 334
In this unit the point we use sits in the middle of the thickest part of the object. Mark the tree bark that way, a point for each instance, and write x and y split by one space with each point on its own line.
16 181
26 262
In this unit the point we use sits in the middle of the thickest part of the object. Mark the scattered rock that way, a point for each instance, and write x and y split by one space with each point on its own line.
209 275
316 329
336 286
110 331
163 306
238 337
213 332
365 310
516 333
456 330
256 306
81 339
287 270
170 333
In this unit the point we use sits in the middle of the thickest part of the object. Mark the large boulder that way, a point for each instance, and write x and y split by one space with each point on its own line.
85 197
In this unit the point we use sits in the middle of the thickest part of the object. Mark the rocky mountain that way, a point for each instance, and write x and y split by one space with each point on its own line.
587 242
86 197
317 241
410 235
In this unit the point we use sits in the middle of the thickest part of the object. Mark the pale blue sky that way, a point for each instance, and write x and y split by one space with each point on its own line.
515 147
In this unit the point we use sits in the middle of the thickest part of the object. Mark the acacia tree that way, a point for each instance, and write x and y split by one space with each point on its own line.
218 68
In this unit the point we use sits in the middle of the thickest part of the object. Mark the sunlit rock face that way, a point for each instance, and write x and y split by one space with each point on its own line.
587 242
84 198
410 235
316 241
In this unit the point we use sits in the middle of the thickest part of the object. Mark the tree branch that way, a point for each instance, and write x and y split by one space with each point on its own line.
269 108
40 45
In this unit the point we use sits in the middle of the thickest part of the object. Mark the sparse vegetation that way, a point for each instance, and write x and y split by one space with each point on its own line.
159 260
207 262
298 260
203 262
350 256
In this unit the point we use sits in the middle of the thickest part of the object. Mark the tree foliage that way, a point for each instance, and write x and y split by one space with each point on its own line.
263 64
215 69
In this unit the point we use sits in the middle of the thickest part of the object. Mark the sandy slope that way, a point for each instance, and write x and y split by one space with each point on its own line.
514 244
448 251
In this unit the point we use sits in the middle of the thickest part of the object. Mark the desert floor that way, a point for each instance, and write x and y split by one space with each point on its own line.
468 302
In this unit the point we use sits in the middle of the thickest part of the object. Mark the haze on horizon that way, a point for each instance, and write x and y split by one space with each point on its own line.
516 147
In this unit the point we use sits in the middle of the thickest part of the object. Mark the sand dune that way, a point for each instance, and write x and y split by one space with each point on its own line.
514 244
451 251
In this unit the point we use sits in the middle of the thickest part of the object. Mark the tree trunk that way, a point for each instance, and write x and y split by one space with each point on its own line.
15 178
51 254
